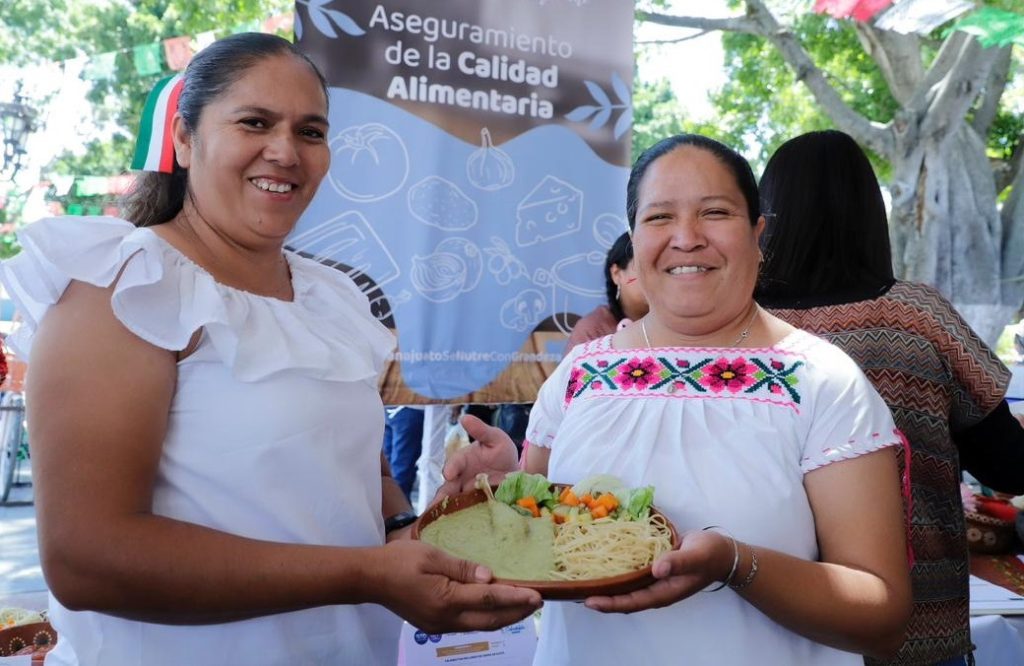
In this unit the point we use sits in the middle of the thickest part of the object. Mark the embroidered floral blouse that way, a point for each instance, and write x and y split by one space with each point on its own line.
725 436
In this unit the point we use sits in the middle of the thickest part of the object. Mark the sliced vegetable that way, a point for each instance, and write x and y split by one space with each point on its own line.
530 504
608 501
568 497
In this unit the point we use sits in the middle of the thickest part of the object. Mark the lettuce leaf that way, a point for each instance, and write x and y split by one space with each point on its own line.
518 485
636 503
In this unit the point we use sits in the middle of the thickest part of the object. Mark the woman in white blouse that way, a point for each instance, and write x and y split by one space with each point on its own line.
204 412
740 422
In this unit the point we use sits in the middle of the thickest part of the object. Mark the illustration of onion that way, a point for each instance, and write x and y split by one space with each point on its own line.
438 276
490 168
454 267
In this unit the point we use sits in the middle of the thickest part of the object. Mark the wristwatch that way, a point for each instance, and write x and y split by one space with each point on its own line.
398 521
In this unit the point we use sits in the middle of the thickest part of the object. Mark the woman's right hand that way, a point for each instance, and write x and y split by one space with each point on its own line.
439 593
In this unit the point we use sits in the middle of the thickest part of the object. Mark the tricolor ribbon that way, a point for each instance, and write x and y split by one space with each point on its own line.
154 149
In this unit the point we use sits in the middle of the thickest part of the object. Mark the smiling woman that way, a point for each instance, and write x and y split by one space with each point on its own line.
205 418
740 421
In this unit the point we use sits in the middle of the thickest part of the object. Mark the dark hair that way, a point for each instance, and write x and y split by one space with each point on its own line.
620 254
735 162
157 197
827 231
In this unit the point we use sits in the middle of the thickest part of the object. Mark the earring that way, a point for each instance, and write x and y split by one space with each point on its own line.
760 257
618 292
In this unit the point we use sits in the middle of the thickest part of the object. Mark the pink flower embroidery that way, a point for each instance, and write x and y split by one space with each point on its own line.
574 384
775 388
638 373
733 376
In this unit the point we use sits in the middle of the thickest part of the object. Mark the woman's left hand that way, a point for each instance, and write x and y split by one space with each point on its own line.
703 557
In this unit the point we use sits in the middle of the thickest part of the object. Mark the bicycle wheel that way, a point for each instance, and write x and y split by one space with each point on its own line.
12 409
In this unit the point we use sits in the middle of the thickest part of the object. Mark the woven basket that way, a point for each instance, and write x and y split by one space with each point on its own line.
988 535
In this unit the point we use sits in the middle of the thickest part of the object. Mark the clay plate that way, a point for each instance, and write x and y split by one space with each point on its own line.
550 589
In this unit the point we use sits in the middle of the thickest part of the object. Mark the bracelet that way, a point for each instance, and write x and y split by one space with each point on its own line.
398 521
750 575
735 558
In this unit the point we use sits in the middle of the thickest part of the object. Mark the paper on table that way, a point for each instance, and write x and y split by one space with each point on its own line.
990 599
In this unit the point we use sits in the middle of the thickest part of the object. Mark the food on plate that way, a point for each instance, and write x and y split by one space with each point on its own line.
529 529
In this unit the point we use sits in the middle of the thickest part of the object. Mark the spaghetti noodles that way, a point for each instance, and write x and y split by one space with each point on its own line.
607 547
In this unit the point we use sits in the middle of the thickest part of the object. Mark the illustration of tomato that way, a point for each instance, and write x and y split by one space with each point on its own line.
368 162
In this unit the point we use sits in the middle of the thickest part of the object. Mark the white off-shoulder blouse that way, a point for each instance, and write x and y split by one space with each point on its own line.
274 431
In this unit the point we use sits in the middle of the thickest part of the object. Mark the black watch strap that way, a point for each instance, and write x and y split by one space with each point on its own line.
398 521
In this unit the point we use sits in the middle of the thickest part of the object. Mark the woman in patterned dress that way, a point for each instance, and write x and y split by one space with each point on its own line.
739 421
828 270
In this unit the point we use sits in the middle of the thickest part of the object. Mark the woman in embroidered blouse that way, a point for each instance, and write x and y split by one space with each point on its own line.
739 421
205 420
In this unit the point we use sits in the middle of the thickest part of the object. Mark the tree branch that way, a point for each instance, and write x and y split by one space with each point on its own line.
994 87
939 68
678 40
760 21
874 135
735 24
898 57
957 91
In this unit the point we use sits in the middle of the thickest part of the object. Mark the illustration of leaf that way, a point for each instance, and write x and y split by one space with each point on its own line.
318 3
581 113
621 90
599 95
624 122
601 118
321 21
298 27
345 22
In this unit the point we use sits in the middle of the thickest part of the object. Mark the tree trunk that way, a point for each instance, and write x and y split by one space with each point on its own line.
945 229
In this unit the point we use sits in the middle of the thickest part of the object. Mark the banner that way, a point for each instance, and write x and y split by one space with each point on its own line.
480 153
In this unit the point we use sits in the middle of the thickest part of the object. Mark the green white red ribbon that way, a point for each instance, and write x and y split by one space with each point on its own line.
154 149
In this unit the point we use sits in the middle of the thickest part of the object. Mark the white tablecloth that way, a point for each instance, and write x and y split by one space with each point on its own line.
999 640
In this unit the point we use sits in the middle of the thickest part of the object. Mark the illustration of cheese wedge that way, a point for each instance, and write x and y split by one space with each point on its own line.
552 209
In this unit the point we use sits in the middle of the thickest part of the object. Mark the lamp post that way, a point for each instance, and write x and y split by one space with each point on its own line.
17 122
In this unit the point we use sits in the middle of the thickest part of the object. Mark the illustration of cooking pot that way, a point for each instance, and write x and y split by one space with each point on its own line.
579 274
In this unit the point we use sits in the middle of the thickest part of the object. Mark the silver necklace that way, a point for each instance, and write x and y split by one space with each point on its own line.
744 334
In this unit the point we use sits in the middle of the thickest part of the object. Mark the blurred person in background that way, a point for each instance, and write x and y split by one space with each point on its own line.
828 270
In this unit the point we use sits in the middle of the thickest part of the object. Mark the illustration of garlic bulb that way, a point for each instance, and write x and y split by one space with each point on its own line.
490 168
